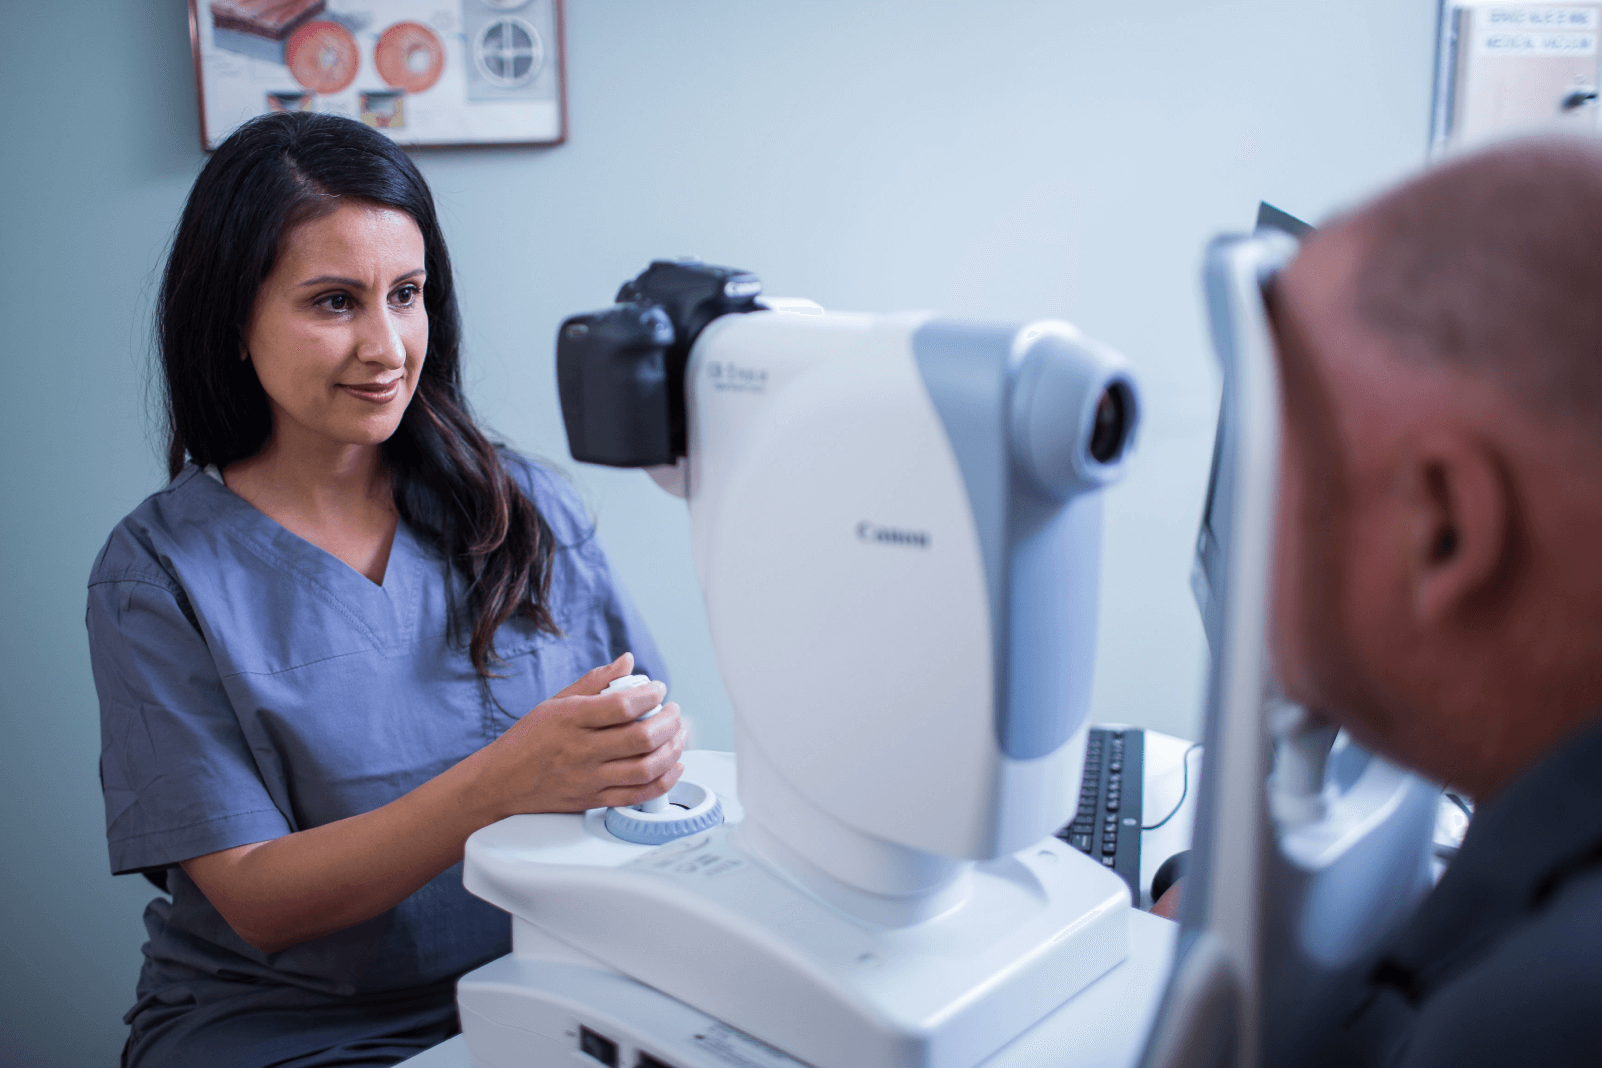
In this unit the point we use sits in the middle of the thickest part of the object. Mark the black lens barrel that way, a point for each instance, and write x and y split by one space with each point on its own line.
611 375
620 371
1111 431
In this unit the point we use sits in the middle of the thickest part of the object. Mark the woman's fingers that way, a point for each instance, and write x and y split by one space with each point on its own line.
597 679
613 709
636 738
622 796
601 711
583 749
645 767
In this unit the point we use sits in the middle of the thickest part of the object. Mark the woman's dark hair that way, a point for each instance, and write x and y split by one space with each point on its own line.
450 484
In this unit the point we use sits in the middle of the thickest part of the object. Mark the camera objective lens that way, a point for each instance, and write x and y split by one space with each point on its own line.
1112 422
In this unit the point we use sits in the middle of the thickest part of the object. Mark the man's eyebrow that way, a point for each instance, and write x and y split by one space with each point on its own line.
353 283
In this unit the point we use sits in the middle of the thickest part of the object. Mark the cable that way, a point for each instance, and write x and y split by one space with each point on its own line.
1183 789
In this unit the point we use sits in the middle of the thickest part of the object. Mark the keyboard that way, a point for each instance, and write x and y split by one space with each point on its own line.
1107 825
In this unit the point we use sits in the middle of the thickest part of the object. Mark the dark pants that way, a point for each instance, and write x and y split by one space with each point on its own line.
213 1023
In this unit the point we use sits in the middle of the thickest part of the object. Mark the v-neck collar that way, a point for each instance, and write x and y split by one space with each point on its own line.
386 611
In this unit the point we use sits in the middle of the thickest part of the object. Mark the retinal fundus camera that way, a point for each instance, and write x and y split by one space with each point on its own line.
896 525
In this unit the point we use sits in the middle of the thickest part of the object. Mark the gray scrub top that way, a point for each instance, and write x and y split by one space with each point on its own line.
252 685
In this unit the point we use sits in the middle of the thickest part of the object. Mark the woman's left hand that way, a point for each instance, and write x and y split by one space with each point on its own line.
584 748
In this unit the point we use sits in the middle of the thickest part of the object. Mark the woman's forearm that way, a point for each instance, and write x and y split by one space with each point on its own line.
282 892
580 749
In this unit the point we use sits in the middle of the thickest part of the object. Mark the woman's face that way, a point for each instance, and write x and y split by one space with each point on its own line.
338 332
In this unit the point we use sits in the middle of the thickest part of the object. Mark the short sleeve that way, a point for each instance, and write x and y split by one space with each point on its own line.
574 531
176 770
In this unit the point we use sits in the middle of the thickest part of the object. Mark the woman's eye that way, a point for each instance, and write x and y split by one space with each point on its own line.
406 295
337 302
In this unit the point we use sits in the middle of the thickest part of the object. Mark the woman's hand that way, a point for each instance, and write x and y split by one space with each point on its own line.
586 749
580 749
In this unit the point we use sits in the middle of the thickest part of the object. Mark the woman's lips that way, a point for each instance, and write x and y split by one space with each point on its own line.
376 393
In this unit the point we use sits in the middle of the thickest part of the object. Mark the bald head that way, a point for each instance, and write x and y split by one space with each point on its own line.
1493 263
1437 588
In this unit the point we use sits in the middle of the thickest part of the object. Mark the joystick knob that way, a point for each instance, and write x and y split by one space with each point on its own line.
687 808
628 682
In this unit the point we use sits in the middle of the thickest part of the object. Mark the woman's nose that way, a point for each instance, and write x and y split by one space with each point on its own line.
380 341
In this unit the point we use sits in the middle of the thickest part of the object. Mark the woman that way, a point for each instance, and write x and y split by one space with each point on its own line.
318 647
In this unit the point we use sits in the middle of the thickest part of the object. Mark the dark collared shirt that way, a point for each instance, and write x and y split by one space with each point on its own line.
1502 964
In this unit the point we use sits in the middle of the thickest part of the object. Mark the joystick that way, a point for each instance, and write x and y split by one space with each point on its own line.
685 809
628 682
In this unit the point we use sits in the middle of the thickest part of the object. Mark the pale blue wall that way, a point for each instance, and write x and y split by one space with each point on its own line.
996 158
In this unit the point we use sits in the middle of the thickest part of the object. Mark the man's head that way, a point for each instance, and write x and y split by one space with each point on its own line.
1438 587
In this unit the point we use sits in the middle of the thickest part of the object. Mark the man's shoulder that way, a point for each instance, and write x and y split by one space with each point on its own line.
1534 997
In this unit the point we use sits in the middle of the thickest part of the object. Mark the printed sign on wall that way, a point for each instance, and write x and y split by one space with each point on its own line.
1506 68
426 72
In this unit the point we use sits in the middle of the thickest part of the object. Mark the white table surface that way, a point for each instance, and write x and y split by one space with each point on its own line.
1081 1034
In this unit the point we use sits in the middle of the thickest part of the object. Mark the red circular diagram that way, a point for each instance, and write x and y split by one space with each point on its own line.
322 56
409 56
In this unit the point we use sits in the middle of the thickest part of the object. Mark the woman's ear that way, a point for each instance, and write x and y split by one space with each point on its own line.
1461 524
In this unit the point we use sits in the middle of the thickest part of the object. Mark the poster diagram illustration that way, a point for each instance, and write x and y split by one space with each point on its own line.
426 72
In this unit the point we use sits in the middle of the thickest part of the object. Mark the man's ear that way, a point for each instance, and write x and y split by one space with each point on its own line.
1461 524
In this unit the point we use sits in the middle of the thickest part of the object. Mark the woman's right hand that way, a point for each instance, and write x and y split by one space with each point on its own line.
580 749
583 749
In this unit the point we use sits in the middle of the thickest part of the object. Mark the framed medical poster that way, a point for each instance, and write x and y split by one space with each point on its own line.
426 72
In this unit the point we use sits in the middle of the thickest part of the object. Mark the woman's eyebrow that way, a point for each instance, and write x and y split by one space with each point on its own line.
354 283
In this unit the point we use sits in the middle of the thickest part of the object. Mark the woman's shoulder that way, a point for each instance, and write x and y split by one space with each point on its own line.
553 494
141 547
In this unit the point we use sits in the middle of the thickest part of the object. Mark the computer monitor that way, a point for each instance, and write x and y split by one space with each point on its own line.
1272 218
1296 876
1214 521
